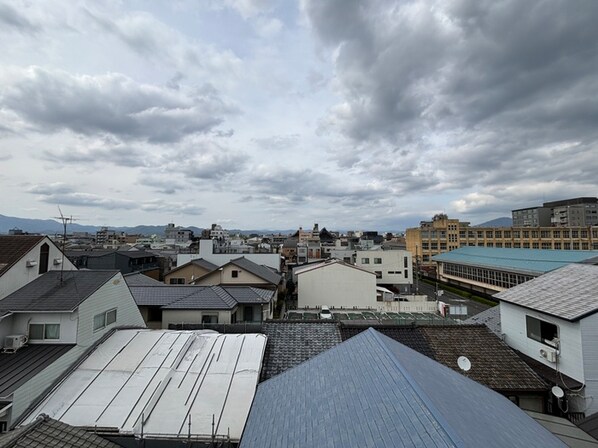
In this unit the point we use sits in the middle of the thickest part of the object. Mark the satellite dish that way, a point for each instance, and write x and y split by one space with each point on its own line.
558 392
464 363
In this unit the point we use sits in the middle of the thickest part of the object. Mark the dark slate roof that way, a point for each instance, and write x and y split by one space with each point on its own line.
47 432
17 368
373 391
199 297
565 430
490 318
205 264
568 293
47 293
14 247
291 343
261 271
140 279
494 363
548 374
590 425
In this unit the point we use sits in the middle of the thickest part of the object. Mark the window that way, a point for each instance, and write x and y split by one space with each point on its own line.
177 281
102 320
541 331
44 256
365 261
377 260
42 332
209 319
235 274
154 314
406 273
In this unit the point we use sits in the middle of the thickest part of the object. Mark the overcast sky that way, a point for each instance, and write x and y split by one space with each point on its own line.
278 114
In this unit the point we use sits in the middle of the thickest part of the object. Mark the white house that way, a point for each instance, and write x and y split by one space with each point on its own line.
553 319
59 319
392 267
336 284
206 251
23 258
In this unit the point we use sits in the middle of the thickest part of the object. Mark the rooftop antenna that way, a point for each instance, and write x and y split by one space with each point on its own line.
464 363
65 220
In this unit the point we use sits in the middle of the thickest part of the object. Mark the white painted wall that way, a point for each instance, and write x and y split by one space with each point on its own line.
113 294
192 316
206 252
67 321
19 274
392 264
570 361
224 275
336 285
5 328
589 341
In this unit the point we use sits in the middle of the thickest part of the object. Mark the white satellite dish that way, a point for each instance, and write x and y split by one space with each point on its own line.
558 392
464 363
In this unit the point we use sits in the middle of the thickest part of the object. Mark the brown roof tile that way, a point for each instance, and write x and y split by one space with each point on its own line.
14 247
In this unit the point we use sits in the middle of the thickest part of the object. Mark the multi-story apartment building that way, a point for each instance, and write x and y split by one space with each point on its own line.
443 234
577 212
531 217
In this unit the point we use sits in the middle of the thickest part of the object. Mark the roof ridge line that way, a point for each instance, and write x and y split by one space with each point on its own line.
419 391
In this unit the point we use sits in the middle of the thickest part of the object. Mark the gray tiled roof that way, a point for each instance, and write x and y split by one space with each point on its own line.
291 343
139 279
373 391
568 292
261 271
17 368
47 432
14 247
47 293
490 318
494 363
202 263
199 297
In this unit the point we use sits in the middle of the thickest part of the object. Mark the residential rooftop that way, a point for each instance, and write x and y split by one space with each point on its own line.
15 247
568 293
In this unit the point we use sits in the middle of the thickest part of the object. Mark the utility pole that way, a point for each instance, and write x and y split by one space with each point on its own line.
65 220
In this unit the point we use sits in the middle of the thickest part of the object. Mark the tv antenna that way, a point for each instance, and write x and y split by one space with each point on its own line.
65 220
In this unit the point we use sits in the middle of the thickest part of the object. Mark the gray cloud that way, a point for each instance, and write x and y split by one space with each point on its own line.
112 104
12 18
475 91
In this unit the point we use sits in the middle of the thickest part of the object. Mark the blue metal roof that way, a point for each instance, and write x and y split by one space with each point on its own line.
533 261
373 391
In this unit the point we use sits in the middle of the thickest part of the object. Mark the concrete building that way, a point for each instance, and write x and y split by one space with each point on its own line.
177 236
490 270
553 321
577 212
336 284
531 217
23 258
443 235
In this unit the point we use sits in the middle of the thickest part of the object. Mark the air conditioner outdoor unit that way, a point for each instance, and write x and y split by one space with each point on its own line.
549 354
14 342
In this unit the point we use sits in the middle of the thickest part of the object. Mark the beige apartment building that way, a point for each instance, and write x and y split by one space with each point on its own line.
443 235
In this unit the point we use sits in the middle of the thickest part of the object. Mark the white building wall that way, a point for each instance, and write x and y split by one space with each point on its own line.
192 316
206 252
589 340
225 276
393 265
67 321
19 275
570 360
113 294
5 328
337 286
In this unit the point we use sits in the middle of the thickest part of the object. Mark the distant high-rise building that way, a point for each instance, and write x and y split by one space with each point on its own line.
531 217
574 212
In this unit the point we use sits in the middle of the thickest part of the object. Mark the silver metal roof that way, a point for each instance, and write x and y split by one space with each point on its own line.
568 292
156 382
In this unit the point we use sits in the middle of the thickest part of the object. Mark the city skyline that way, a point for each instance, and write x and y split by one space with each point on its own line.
269 114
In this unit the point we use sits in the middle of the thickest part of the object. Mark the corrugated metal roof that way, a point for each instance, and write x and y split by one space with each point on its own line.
48 293
168 378
532 261
18 368
568 293
373 391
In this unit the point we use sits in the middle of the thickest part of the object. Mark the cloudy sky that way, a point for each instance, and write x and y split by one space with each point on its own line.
278 114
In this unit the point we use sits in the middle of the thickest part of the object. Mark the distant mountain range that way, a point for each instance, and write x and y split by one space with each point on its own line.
51 227
498 222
